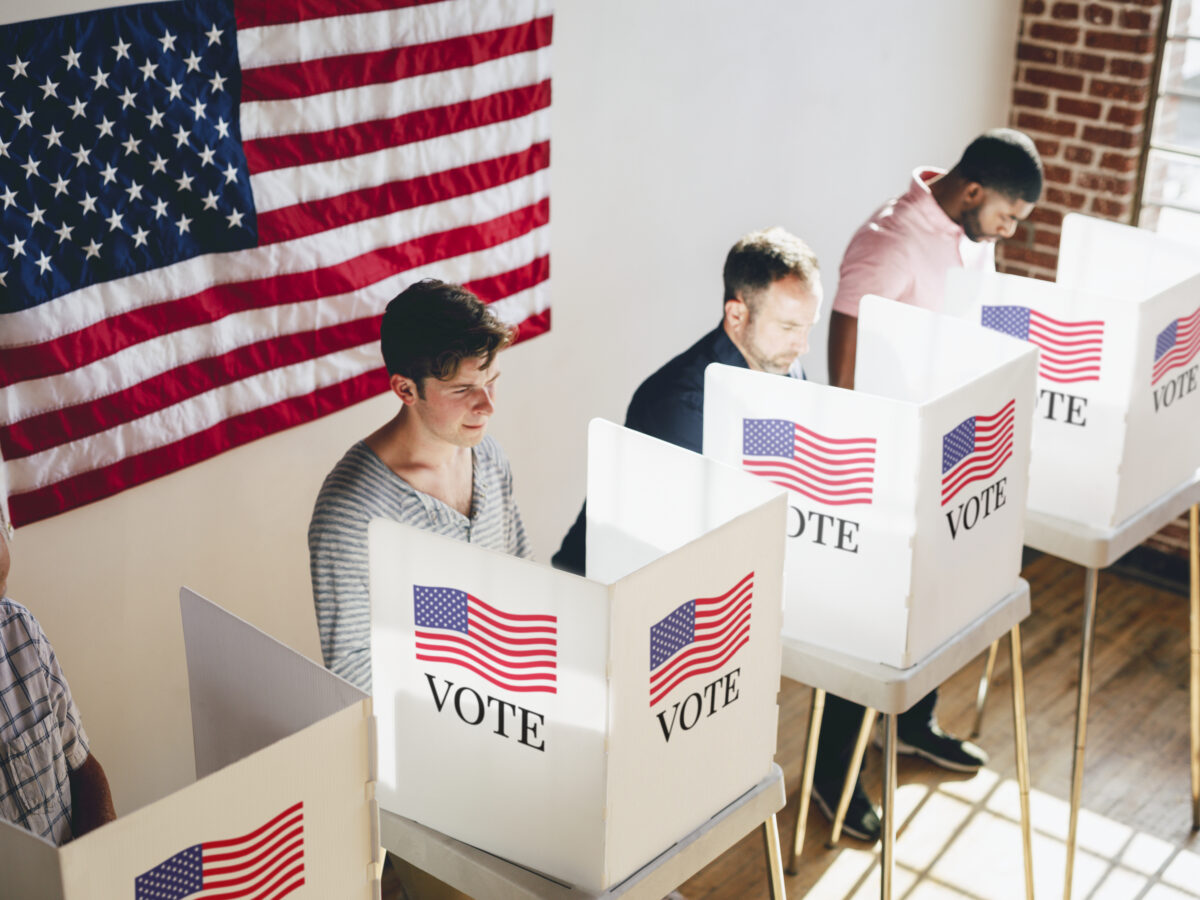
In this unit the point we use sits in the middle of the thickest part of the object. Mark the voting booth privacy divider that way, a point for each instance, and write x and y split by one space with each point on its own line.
1118 372
906 495
581 726
282 805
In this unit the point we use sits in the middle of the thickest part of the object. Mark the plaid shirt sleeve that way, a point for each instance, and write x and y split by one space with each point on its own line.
41 739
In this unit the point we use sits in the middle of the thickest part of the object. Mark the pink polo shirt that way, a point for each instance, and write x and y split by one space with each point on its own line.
904 251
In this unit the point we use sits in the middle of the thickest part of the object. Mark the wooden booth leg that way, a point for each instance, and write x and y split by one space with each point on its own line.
984 684
1081 713
1194 567
887 861
855 766
1021 735
806 777
774 859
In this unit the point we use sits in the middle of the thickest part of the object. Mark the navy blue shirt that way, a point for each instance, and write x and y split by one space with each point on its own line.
669 405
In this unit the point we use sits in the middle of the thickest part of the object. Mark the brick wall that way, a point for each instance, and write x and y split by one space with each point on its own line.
1082 92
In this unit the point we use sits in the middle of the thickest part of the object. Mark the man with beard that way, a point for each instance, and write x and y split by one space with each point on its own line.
945 220
771 300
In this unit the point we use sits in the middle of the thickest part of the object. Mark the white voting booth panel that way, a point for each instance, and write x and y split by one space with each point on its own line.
906 495
282 806
1118 375
575 726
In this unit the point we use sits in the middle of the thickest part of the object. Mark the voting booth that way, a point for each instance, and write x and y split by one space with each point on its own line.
282 802
906 495
1118 399
581 726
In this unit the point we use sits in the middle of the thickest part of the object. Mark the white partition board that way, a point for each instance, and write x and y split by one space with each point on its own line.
264 814
1119 260
639 708
906 496
1118 384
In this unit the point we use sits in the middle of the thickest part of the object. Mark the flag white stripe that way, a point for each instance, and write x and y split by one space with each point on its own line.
95 303
269 45
337 109
301 184
135 364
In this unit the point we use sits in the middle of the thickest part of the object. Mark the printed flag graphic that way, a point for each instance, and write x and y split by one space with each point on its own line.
266 864
832 471
976 449
1070 351
699 637
513 652
205 206
1176 345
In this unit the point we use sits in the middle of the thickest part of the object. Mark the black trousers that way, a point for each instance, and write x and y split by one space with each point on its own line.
839 728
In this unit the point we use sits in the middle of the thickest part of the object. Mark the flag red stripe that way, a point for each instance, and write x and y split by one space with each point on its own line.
213 845
707 644
270 881
315 216
436 642
519 688
516 617
715 622
496 667
126 329
805 473
504 628
701 670
287 150
501 638
256 13
514 281
800 429
790 481
709 601
799 450
709 607
1060 380
263 870
809 463
985 445
548 654
286 843
288 81
283 832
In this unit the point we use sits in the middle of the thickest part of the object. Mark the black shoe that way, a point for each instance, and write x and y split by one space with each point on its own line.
940 748
862 816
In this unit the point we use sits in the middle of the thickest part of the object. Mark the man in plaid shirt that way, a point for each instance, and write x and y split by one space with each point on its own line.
50 783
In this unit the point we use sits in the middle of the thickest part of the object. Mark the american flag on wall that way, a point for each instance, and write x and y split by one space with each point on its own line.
266 864
1176 345
512 651
976 449
207 205
699 637
832 471
1069 351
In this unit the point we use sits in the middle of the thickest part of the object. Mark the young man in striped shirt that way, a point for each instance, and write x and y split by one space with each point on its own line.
432 466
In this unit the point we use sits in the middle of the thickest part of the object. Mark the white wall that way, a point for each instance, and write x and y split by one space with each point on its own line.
678 126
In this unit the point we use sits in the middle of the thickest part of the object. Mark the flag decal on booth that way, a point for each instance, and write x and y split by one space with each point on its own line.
832 471
205 206
514 652
266 864
1176 345
976 449
699 637
1069 351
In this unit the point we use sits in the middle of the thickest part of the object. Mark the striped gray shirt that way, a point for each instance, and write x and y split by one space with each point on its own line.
361 488
41 739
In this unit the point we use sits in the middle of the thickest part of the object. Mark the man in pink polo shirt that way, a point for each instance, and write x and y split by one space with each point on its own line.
945 220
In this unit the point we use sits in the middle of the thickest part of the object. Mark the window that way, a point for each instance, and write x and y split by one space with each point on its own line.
1170 198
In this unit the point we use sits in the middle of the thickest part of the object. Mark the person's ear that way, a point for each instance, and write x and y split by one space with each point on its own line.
404 388
973 195
736 313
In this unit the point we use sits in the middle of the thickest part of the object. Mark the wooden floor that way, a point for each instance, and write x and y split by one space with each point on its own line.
959 835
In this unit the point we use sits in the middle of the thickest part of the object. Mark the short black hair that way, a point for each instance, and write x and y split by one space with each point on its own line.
1004 160
761 258
430 327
